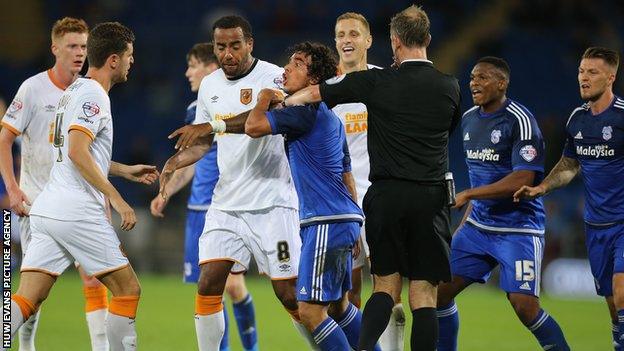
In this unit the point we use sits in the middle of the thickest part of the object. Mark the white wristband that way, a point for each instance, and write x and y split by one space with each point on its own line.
218 126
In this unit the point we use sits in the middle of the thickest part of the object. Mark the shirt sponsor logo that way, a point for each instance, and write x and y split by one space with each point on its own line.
607 132
90 109
495 136
596 151
528 153
335 80
245 96
483 155
356 122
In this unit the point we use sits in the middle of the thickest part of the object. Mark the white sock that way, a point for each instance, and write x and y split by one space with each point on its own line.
121 333
392 337
307 335
16 318
209 329
27 333
96 321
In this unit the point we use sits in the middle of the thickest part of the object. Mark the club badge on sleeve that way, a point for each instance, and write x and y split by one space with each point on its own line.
528 153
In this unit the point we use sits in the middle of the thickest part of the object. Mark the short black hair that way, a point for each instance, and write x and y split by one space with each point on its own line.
497 62
611 57
204 52
106 39
323 63
233 21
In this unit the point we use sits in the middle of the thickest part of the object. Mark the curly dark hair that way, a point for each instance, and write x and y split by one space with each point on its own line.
106 39
323 60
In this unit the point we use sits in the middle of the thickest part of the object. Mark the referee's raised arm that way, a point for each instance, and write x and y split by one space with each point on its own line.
412 109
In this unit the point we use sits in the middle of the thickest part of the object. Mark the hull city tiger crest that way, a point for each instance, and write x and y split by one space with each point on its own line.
245 96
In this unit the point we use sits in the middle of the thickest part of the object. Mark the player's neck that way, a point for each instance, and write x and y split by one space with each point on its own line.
404 53
353 67
101 77
603 102
62 76
494 105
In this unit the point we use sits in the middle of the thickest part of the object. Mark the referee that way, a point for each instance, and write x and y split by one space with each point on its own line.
412 110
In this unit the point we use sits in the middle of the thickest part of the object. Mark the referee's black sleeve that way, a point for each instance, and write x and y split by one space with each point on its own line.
351 87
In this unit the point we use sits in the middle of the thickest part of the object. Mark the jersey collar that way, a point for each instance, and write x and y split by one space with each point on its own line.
253 65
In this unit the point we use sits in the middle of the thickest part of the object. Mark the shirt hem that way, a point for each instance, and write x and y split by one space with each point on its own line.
500 230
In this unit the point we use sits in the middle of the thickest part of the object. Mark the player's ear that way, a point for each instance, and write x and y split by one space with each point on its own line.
113 61
369 41
428 40
250 42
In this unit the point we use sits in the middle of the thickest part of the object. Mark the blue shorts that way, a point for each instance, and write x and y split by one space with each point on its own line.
475 253
326 262
605 249
194 228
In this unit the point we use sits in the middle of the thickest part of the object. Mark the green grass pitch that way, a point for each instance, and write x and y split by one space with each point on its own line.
165 319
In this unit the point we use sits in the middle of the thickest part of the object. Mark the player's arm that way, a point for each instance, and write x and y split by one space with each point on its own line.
180 178
347 175
257 123
561 175
136 173
181 159
79 143
505 187
352 87
16 195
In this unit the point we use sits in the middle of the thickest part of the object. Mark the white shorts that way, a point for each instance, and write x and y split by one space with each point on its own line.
360 260
54 245
271 236
24 232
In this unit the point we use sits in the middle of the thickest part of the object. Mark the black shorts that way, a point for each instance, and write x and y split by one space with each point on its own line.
408 230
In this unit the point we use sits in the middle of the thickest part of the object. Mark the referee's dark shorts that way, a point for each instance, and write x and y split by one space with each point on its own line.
408 229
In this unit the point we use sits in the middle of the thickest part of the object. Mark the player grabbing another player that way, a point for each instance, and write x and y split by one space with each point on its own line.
205 173
595 149
353 39
31 115
254 205
69 220
504 150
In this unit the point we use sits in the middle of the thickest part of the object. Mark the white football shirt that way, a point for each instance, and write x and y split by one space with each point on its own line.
354 117
85 108
253 173
31 116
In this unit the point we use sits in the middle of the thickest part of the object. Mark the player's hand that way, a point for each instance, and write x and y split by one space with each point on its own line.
188 135
357 247
157 205
128 217
461 199
17 198
272 95
142 174
529 192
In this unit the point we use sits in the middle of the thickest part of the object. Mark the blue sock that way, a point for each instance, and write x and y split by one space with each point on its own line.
225 343
548 332
615 330
350 323
620 339
246 321
448 320
329 337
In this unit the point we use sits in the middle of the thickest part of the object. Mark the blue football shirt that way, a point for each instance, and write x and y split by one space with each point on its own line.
318 156
496 145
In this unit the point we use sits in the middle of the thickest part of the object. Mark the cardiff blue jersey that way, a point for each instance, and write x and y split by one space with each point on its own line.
318 156
497 144
597 142
206 172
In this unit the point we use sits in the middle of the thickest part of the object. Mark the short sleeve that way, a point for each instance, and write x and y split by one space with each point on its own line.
19 113
528 145
89 115
202 114
346 160
352 87
293 121
568 147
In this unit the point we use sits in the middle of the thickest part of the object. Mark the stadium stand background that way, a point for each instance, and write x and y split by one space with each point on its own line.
542 41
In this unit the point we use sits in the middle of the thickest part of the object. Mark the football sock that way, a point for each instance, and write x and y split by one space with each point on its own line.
209 322
392 338
448 321
424 329
246 321
620 339
96 304
374 320
350 323
329 337
615 331
120 324
21 310
27 333
225 340
548 332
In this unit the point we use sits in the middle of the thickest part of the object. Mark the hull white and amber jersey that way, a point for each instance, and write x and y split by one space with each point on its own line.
31 116
254 173
85 108
354 117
